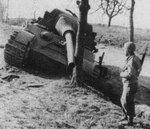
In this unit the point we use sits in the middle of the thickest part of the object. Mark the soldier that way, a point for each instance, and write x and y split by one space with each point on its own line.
129 75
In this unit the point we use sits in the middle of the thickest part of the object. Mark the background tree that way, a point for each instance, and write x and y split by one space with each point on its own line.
112 8
35 4
131 21
3 10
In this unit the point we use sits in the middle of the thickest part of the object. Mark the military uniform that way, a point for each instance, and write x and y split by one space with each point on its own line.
129 74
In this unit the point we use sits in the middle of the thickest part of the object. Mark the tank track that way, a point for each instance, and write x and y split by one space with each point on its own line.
15 52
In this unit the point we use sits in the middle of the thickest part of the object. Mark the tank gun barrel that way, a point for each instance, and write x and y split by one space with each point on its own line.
69 36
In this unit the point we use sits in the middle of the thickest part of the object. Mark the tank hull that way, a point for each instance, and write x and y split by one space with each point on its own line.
48 51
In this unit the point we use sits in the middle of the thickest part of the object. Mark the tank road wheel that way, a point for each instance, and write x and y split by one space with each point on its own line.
15 53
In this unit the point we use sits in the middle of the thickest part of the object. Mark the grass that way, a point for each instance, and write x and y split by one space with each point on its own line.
117 36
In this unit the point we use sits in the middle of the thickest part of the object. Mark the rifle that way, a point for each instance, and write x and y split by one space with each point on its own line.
143 57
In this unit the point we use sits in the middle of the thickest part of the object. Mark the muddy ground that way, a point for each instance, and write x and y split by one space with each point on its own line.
32 100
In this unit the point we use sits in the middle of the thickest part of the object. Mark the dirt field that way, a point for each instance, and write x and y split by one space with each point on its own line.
37 101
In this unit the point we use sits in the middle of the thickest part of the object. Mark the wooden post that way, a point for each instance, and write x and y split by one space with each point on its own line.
131 21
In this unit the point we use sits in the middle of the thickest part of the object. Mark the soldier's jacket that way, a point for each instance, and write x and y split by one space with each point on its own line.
131 69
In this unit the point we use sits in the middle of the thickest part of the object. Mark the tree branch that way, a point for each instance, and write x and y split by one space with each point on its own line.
73 14
113 7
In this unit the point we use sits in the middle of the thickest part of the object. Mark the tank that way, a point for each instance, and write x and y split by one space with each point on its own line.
48 44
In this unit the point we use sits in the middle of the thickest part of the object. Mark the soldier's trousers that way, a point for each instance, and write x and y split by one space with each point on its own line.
127 99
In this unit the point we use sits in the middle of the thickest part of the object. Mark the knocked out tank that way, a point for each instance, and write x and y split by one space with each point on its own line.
48 44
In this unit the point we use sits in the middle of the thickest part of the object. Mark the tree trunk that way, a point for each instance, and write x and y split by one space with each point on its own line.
109 21
131 21
79 50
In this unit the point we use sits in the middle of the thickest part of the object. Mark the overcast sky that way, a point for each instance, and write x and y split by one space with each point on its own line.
25 8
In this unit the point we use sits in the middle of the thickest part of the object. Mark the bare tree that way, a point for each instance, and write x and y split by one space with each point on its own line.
131 21
72 13
7 11
112 8
2 10
77 71
35 8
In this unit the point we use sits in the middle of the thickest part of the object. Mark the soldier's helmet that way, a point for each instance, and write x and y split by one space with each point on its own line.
130 47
